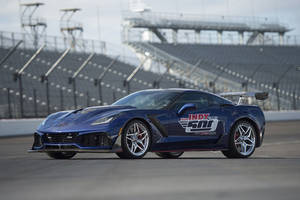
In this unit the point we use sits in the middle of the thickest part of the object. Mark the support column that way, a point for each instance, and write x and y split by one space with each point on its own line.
21 96
281 38
262 38
126 33
276 87
174 36
241 37
294 101
198 36
61 99
87 98
35 103
9 103
220 39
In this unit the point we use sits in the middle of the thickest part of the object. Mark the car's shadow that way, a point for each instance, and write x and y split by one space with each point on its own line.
183 158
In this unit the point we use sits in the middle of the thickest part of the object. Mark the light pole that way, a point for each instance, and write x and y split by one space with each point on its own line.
44 77
126 82
98 81
73 78
18 76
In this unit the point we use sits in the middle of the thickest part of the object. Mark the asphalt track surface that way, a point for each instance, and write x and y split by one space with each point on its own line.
273 172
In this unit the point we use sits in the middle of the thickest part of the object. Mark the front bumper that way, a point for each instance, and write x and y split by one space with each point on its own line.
75 142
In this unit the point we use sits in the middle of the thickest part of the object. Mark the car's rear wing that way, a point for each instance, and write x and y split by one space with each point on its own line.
258 95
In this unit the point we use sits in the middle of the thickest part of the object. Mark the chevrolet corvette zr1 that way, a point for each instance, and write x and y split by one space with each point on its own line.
165 121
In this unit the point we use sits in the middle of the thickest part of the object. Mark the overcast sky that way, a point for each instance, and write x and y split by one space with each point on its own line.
286 11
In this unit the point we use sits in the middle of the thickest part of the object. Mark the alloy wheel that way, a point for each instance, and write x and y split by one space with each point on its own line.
244 139
137 139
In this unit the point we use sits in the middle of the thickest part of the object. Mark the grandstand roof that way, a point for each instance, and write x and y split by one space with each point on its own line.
153 20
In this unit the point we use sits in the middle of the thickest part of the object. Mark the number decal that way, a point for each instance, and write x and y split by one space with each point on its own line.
199 123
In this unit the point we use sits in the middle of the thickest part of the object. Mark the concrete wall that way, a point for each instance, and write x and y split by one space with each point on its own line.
15 127
282 115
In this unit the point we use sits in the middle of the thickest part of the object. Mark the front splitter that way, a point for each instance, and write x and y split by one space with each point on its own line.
75 150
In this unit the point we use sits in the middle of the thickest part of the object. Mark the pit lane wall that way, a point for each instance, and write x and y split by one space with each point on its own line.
18 127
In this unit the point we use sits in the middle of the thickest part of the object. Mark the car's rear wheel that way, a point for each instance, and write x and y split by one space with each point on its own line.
136 140
61 155
242 141
169 154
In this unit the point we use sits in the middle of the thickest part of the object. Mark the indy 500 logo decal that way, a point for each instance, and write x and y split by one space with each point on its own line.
199 123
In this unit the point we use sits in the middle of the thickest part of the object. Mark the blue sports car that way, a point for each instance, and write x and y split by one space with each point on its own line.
165 121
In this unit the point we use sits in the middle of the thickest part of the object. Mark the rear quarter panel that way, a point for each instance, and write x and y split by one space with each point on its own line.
253 113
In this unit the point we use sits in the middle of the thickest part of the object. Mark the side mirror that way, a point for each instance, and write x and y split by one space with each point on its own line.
185 107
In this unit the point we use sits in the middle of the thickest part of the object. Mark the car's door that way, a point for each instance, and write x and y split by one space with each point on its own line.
202 123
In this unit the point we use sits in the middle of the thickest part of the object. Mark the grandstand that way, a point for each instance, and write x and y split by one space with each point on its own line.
61 92
249 63
41 74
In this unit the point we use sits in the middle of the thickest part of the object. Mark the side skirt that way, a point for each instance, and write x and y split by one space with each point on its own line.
184 150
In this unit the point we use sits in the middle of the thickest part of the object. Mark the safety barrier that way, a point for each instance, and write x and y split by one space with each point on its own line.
19 127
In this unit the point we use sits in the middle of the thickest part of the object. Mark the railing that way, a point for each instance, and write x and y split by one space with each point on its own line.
56 43
159 20
35 106
158 16
33 21
206 37
53 43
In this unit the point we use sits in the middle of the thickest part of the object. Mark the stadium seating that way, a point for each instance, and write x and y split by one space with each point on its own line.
260 66
61 93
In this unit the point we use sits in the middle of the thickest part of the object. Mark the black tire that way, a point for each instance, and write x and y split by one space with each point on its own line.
61 155
125 142
234 151
169 155
121 155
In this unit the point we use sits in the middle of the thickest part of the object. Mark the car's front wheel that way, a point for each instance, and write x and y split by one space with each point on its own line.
169 154
61 155
136 140
242 141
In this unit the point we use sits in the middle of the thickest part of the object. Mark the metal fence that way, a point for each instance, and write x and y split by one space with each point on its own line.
207 37
35 106
156 19
54 43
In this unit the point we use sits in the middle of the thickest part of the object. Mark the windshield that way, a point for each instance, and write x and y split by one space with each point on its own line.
148 99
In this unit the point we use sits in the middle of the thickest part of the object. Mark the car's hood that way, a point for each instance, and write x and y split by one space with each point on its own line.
80 118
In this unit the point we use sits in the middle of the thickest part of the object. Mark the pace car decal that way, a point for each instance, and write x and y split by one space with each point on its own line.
199 123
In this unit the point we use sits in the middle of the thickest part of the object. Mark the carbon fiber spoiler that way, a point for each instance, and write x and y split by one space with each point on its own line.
258 95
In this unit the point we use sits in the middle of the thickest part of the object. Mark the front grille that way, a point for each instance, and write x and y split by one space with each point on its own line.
60 147
95 139
85 140
60 138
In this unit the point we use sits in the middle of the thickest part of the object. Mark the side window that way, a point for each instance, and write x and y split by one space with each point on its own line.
217 101
199 99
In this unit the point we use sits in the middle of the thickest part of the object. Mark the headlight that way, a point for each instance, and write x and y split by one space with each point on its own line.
103 120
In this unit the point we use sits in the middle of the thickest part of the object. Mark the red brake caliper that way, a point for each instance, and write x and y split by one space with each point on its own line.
236 136
140 137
